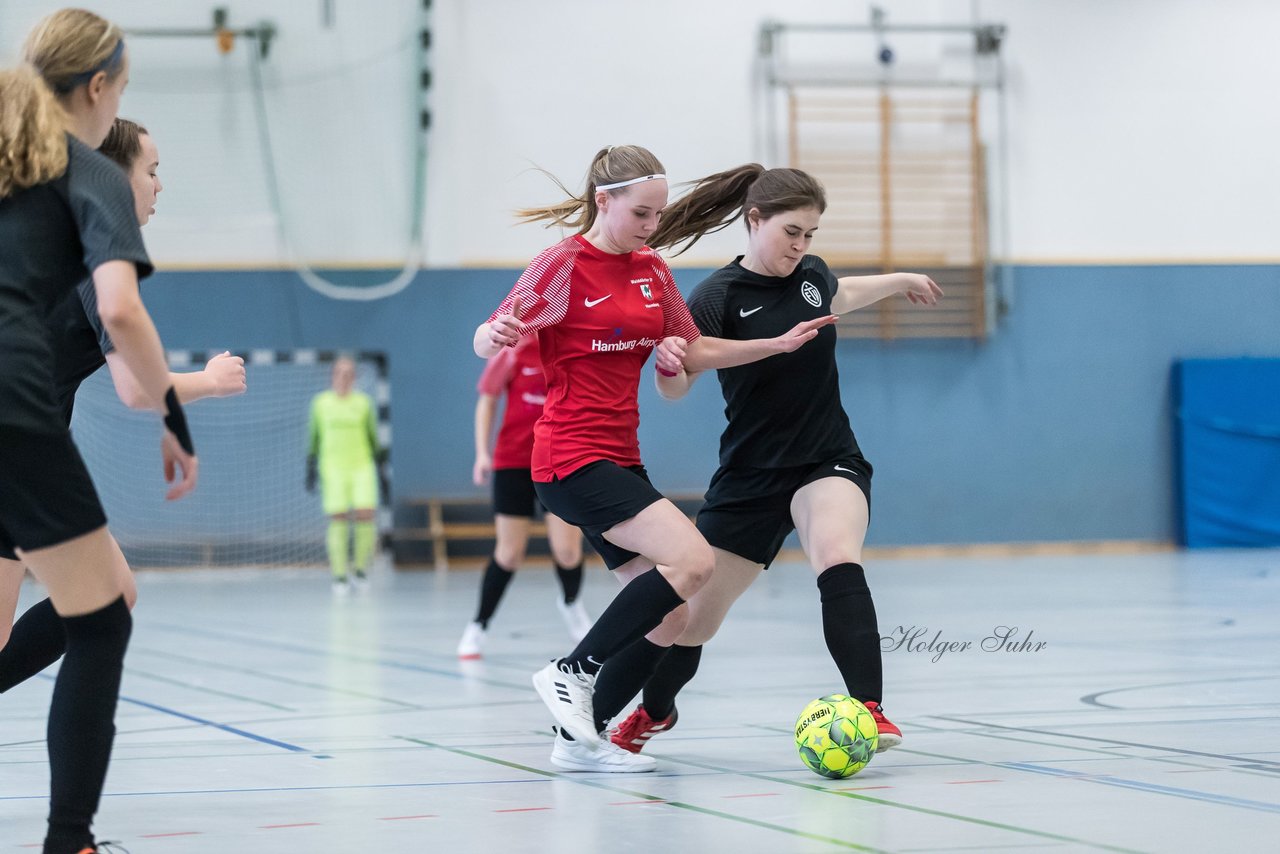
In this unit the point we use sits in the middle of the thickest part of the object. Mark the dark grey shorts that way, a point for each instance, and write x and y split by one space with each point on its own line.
598 496
46 495
747 511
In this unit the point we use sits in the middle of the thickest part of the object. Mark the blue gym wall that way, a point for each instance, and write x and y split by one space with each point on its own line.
1057 428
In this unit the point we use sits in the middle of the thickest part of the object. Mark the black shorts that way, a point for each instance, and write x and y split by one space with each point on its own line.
747 511
598 496
46 495
513 493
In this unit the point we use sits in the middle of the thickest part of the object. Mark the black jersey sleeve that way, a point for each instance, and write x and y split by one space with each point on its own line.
707 303
819 267
87 296
104 211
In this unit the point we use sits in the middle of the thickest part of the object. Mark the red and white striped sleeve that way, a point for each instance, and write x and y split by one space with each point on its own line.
676 319
543 289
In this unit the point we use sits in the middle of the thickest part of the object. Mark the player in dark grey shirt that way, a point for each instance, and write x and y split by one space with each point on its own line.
784 411
788 458
66 213
81 346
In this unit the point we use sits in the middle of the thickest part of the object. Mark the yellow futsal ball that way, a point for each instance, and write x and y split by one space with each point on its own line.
836 736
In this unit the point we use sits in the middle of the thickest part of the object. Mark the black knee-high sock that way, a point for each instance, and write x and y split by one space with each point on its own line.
623 677
82 722
570 581
673 673
852 634
37 640
492 586
633 613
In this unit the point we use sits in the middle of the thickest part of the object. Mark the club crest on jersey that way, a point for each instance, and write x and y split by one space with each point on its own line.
647 291
811 294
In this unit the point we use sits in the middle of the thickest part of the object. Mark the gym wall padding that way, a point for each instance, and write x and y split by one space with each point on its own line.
1227 416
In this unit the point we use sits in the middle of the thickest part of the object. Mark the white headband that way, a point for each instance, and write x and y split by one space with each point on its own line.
630 182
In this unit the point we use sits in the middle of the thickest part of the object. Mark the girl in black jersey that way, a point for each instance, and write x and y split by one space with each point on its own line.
82 346
788 458
66 212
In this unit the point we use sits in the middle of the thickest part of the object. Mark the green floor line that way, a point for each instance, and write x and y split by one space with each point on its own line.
843 843
1041 834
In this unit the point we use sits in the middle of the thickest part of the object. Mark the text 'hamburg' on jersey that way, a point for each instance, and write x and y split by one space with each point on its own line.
618 346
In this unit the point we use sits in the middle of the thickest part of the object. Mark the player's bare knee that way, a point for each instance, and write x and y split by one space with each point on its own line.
699 565
672 627
833 555
509 558
676 622
566 556
697 632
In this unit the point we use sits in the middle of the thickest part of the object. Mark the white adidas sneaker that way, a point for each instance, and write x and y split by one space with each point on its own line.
567 695
605 758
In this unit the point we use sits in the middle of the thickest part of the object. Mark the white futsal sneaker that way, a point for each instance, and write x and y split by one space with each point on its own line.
340 587
566 693
472 642
605 758
575 617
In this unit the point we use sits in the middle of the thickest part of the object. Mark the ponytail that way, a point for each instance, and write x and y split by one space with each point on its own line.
713 203
719 199
33 127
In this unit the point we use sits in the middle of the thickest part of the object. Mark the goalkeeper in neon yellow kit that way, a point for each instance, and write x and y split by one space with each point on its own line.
344 453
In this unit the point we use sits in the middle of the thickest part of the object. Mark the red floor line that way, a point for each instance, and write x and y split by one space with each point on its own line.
405 817
279 826
634 803
167 835
862 788
526 809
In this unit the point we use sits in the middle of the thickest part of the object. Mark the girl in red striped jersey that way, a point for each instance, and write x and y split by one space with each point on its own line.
516 374
600 301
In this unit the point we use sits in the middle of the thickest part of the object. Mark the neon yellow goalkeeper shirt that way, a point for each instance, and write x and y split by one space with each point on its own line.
343 430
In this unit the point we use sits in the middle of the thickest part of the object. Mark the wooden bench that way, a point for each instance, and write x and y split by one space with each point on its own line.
434 531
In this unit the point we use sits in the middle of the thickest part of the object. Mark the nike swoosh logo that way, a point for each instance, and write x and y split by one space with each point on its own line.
842 468
592 303
742 312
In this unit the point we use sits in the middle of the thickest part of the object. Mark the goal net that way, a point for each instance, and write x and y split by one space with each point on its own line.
250 507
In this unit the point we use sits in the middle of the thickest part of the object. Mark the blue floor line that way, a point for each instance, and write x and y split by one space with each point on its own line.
1108 780
224 727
